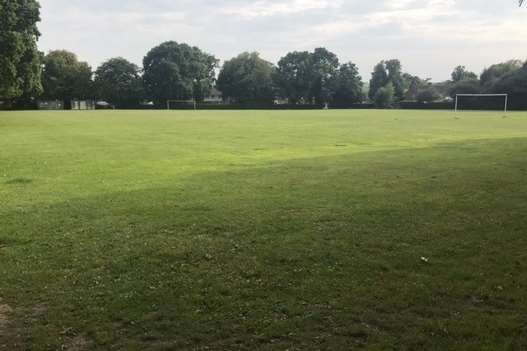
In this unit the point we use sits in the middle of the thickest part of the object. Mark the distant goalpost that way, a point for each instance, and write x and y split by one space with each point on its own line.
504 96
171 103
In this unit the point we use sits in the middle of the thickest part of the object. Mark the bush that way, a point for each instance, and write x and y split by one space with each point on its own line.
414 105
466 87
384 96
428 95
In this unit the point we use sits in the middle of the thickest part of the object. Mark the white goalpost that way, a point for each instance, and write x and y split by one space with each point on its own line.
189 102
504 96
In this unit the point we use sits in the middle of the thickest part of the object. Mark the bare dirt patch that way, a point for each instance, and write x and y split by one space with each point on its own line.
78 343
5 310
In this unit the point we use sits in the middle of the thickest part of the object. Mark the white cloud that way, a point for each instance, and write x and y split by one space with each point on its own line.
266 8
429 36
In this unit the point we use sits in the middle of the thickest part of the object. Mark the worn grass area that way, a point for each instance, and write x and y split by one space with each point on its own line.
307 230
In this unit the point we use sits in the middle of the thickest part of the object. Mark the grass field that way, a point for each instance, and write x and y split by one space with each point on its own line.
258 230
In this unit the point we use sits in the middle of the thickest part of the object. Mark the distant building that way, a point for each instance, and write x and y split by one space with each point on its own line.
280 101
104 105
82 104
61 105
50 105
214 97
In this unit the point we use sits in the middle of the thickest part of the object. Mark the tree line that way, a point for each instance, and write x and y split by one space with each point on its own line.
177 71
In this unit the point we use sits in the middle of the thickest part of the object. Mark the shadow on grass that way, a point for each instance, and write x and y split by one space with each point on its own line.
320 253
19 181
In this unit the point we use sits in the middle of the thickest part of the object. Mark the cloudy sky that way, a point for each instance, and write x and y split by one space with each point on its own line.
430 37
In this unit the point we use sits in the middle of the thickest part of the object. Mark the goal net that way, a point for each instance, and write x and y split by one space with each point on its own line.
482 102
181 105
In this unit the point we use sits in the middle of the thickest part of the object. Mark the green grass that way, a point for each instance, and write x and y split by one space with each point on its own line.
263 230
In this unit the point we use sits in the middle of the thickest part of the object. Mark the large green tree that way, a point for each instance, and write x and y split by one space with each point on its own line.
65 77
493 73
348 85
307 77
504 78
179 72
294 76
325 65
460 73
247 78
464 82
416 86
395 77
388 72
119 82
513 83
20 69
379 78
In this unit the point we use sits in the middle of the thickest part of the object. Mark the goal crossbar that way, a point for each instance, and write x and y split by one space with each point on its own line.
506 96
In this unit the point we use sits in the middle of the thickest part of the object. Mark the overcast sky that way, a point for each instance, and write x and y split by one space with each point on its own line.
430 37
